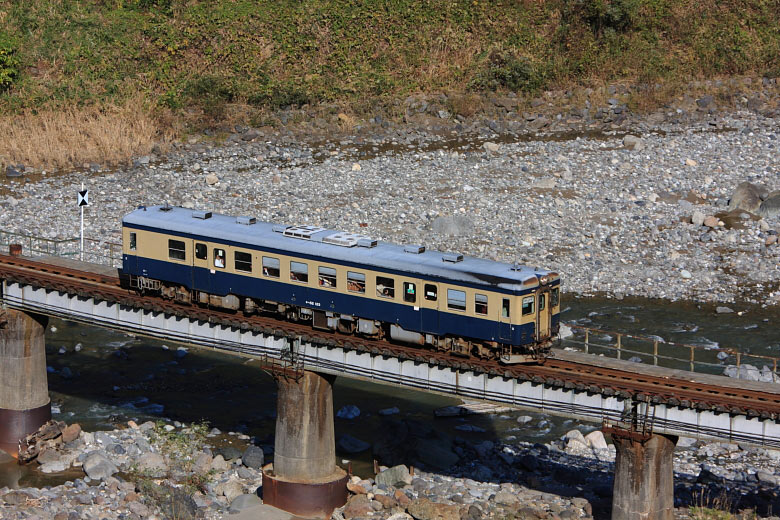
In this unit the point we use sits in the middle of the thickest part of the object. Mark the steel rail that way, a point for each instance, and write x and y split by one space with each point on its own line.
554 372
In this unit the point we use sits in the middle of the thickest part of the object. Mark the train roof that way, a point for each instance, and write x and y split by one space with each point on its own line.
337 247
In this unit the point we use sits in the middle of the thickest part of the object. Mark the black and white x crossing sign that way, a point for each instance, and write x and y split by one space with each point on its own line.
84 198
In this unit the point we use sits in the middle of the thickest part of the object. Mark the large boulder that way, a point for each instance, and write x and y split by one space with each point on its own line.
253 457
424 509
747 196
98 466
397 476
152 464
596 440
770 208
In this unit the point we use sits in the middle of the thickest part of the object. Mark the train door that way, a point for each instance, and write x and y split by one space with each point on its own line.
201 275
543 315
505 319
131 258
429 308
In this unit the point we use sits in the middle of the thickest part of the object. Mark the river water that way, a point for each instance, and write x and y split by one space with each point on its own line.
100 378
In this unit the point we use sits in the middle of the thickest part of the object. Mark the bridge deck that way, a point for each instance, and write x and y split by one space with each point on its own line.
671 373
72 263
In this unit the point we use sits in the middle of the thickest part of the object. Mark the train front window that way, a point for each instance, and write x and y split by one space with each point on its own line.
243 261
541 302
528 305
219 258
410 292
356 282
299 272
385 287
480 304
554 295
176 250
201 251
133 241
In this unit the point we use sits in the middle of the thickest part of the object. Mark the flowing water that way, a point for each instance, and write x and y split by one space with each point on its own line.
100 378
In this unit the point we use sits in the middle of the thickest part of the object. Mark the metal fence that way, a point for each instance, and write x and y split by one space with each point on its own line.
682 356
95 251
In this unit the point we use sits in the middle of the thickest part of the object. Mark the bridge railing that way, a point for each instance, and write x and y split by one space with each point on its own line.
681 356
95 251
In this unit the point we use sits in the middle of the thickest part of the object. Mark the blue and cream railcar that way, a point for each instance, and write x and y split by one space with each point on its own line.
343 281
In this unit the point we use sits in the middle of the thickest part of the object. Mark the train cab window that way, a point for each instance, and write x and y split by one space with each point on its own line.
430 292
201 251
456 300
356 282
480 304
505 308
554 297
176 250
327 277
219 258
385 287
133 241
299 272
243 261
541 302
410 292
271 267
528 305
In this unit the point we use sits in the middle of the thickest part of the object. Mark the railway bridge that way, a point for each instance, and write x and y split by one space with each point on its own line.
644 408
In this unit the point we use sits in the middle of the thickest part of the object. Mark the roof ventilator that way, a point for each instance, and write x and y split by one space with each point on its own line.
367 242
304 232
203 215
415 250
344 239
452 257
247 221
166 207
517 267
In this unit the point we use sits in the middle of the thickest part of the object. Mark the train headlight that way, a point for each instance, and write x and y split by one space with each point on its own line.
543 280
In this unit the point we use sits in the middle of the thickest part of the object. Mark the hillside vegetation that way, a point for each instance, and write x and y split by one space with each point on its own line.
273 53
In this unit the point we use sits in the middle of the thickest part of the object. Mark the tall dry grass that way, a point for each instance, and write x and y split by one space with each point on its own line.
71 137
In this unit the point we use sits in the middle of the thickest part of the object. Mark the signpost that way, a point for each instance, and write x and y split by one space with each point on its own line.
83 200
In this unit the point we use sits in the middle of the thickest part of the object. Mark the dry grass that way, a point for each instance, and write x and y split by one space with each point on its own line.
108 135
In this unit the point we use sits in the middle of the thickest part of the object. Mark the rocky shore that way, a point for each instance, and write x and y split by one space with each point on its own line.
168 470
649 205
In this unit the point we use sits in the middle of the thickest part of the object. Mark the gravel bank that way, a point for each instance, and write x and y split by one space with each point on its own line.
615 215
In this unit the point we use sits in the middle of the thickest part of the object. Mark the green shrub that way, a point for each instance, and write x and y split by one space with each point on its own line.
9 62
503 70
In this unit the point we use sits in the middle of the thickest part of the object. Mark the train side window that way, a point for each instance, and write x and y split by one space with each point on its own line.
456 300
133 241
410 292
430 292
271 267
554 297
219 258
541 302
299 272
356 282
385 287
176 250
243 261
528 305
327 277
505 308
201 251
480 304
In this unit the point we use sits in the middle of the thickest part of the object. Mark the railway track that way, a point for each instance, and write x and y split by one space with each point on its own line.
671 390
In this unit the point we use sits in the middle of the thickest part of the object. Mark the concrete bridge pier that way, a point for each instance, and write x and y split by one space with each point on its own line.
644 476
24 389
304 479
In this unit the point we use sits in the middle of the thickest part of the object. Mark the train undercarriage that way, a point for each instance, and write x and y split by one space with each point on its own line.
348 324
